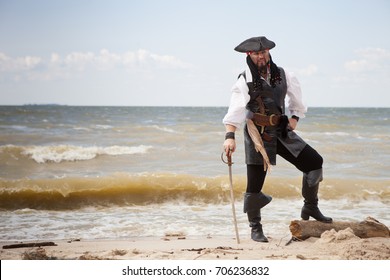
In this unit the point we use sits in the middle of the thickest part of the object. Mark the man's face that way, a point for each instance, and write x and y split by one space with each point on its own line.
260 59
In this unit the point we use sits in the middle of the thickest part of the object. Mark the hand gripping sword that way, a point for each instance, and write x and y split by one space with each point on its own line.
229 163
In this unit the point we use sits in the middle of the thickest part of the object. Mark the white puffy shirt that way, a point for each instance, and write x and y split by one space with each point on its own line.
239 99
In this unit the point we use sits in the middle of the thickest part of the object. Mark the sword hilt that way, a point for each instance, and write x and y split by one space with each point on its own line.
228 157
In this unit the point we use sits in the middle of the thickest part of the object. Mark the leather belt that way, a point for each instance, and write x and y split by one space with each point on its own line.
264 120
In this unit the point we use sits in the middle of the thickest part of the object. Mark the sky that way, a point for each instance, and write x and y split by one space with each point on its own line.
181 53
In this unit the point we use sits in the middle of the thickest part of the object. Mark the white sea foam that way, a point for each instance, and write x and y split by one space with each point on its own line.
165 129
201 220
337 133
81 128
42 154
102 126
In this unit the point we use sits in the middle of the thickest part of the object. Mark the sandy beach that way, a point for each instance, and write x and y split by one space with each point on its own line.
332 245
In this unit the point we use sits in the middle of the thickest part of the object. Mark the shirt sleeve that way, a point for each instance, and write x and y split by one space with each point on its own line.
294 93
237 109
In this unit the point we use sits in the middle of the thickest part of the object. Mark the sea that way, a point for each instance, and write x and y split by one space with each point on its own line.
74 172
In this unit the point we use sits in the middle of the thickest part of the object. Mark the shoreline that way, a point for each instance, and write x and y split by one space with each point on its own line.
331 246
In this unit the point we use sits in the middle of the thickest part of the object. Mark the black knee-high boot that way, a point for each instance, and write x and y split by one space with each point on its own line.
253 202
310 184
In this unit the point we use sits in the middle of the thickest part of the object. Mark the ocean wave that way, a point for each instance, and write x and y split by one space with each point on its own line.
321 134
60 153
337 133
103 126
163 128
122 189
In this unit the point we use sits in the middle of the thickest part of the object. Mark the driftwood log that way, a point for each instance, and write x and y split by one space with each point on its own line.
25 245
370 227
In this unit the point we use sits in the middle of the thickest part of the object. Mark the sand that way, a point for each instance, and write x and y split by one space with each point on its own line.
332 245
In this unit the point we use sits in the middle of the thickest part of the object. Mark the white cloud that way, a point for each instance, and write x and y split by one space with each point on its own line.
373 53
145 58
55 58
169 60
370 67
8 64
369 59
308 71
75 63
78 60
356 65
107 60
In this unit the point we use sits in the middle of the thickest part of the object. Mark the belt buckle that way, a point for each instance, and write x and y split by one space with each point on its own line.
270 120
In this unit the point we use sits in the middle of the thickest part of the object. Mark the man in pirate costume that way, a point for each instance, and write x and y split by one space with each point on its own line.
258 99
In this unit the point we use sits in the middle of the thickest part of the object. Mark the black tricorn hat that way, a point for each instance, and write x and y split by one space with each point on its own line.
255 44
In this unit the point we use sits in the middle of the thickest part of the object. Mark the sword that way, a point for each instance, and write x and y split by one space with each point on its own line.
229 163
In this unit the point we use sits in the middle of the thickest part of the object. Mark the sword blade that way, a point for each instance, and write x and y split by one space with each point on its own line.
232 201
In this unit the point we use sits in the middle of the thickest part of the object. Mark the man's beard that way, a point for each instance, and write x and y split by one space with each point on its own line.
263 68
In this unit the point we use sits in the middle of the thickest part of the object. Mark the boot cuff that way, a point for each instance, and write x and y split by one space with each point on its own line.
255 201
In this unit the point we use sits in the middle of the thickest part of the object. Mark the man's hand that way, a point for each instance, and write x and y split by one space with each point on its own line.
293 123
229 146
